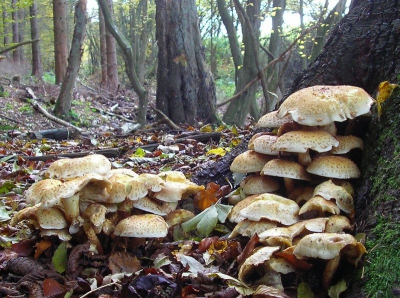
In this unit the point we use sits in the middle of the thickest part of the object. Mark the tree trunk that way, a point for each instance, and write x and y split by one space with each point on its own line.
5 29
364 50
21 30
112 70
239 108
127 53
37 68
185 88
15 32
103 50
60 39
63 103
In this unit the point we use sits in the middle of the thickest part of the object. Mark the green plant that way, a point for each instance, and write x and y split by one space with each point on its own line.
49 78
26 108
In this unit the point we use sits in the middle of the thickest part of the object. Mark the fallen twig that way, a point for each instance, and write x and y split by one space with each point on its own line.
164 118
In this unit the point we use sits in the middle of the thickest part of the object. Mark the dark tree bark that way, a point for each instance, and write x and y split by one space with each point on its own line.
63 103
185 88
60 39
103 50
37 68
112 72
15 31
364 50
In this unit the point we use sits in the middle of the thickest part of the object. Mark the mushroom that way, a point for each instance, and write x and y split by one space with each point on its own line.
249 161
69 168
140 186
264 144
248 227
289 170
272 207
322 105
328 246
270 120
347 143
328 190
334 167
142 226
318 206
154 206
301 141
256 184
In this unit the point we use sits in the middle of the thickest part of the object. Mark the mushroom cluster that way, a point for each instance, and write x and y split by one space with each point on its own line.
298 194
86 194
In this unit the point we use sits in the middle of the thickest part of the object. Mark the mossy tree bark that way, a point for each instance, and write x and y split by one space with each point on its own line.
185 87
364 50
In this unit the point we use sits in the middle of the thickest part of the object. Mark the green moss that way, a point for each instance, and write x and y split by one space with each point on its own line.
383 270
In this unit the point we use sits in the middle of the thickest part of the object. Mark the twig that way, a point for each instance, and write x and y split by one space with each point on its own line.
98 288
165 119
112 114
16 121
280 58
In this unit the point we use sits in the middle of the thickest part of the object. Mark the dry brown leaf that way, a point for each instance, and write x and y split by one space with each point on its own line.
123 261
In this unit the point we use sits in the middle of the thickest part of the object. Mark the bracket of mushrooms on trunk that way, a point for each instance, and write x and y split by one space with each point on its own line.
297 194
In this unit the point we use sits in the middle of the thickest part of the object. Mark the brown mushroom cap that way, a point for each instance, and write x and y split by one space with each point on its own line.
142 226
347 143
69 168
286 169
248 162
272 207
322 245
322 105
264 144
270 120
301 140
334 167
256 184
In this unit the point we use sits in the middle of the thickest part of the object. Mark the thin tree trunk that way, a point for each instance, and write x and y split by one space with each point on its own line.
63 103
112 70
21 31
37 68
5 29
60 39
15 32
103 50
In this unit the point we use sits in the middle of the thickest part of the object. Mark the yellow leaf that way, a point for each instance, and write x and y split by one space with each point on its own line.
385 90
206 128
217 151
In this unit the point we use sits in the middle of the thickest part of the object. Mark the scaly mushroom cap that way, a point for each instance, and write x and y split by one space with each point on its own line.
248 227
41 190
270 120
142 226
123 171
256 184
281 236
51 219
323 245
322 105
319 205
272 207
173 176
141 185
154 206
286 169
301 140
338 224
248 162
328 190
347 143
178 216
264 144
234 215
334 167
121 186
96 214
69 168
173 191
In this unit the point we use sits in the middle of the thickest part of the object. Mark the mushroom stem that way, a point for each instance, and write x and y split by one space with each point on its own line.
92 237
329 271
26 213
71 210
304 158
289 184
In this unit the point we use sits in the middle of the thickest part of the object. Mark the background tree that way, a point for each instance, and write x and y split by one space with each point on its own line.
60 39
185 88
364 50
63 103
37 68
111 53
15 31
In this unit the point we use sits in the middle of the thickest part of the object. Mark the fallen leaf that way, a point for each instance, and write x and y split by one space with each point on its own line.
123 261
52 288
60 258
336 290
41 247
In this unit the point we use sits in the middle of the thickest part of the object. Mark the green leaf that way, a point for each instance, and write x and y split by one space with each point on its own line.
6 187
223 211
336 290
304 291
4 216
139 153
60 258
208 222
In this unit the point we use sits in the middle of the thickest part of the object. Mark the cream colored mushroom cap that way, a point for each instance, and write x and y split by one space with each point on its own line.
174 191
123 171
347 143
40 190
248 227
51 218
319 204
154 206
257 184
334 167
141 185
248 162
300 141
322 105
264 144
286 169
328 190
272 207
69 168
178 216
337 224
234 215
270 120
322 245
121 186
142 226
